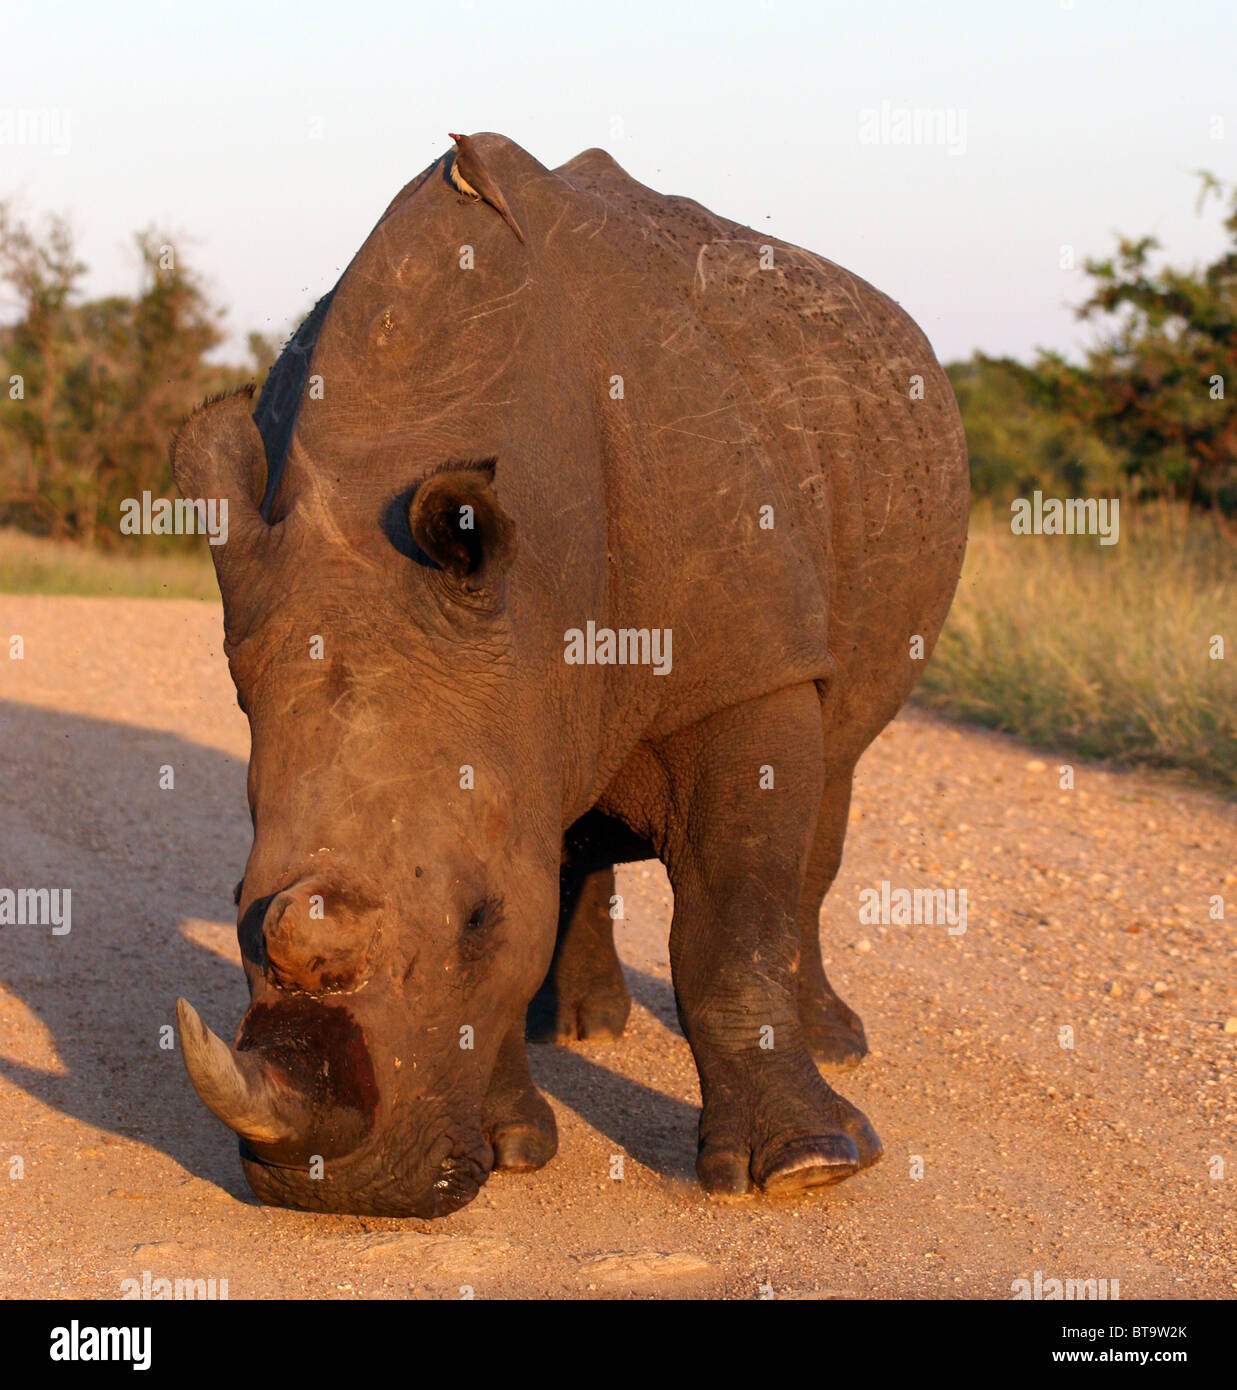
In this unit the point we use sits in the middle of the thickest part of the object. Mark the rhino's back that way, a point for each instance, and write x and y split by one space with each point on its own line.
829 392
771 488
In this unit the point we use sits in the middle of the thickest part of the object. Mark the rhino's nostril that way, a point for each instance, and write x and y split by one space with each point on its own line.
458 1182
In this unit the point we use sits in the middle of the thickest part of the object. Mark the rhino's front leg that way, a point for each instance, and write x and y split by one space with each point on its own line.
584 994
736 852
518 1121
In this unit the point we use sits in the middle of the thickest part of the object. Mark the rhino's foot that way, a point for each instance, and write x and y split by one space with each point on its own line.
785 1153
518 1121
525 1138
592 1012
584 995
833 1032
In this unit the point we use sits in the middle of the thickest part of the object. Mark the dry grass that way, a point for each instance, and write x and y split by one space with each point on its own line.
1101 649
29 565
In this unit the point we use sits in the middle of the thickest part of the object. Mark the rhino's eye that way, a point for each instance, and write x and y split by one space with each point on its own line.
481 922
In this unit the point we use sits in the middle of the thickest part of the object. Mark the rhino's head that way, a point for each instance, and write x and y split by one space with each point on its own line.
396 912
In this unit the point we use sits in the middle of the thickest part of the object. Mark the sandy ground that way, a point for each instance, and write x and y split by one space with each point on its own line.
1007 1153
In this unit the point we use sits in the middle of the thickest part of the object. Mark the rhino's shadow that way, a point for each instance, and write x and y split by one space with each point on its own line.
81 808
655 1129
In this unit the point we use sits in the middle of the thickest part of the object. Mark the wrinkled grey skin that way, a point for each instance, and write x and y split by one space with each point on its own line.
650 426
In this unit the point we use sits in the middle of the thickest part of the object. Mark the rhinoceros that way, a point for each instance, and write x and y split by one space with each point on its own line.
586 529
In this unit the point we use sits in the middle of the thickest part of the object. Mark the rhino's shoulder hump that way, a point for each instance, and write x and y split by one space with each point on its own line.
504 158
591 165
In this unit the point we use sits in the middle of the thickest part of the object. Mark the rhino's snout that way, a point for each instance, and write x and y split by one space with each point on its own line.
326 1123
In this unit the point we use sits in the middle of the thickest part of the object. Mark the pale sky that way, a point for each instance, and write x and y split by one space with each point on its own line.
273 135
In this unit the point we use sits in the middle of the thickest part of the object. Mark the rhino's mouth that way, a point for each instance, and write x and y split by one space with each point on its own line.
371 1184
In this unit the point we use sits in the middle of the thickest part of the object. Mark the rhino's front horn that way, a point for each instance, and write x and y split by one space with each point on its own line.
239 1088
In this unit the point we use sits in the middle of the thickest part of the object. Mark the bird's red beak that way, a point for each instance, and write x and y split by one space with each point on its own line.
453 135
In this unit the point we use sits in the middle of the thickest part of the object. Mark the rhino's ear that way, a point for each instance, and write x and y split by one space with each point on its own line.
458 522
219 455
218 452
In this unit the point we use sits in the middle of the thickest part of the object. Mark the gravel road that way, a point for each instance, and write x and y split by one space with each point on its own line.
1054 1086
